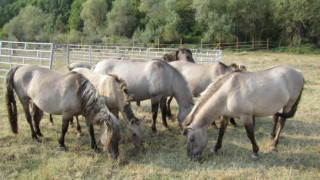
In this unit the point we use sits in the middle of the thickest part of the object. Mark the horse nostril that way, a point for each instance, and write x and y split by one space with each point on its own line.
134 134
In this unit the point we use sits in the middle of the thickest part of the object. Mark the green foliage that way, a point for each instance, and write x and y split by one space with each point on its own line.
302 49
75 22
93 15
121 20
74 37
36 25
161 20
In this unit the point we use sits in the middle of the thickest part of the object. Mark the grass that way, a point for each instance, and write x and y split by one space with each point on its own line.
165 155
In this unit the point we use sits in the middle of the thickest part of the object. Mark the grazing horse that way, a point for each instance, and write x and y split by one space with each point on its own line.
115 93
244 94
155 80
61 94
183 54
199 76
74 65
71 67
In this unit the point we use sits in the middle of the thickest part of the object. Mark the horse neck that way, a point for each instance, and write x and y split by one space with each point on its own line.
208 111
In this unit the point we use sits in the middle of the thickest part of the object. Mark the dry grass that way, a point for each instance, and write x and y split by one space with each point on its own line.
165 155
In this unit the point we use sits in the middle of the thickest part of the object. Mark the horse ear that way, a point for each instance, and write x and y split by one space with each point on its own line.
234 66
186 130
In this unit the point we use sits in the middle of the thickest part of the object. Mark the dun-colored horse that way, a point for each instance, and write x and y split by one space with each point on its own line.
61 94
244 94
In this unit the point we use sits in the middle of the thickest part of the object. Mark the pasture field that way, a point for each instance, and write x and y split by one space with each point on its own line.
298 155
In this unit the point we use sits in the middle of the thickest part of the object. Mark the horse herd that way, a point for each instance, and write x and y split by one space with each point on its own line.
100 92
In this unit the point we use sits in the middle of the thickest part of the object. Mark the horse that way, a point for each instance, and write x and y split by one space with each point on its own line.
244 94
61 94
182 54
199 76
155 80
74 65
115 94
70 67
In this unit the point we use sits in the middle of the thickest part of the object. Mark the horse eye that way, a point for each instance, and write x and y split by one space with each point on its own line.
192 138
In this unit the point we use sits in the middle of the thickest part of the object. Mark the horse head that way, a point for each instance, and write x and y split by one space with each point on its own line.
197 139
185 54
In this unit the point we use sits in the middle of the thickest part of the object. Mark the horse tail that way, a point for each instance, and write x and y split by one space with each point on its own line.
123 86
11 102
293 110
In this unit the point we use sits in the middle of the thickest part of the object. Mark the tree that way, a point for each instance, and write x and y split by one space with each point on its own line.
161 20
31 24
120 20
75 22
93 15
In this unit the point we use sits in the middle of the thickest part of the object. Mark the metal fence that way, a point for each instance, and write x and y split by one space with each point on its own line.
22 53
94 53
43 54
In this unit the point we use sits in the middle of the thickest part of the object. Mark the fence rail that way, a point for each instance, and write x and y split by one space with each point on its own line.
94 53
43 54
22 53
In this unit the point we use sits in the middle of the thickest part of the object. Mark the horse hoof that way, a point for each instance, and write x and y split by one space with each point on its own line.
212 153
97 150
155 134
274 149
63 148
254 157
39 134
79 134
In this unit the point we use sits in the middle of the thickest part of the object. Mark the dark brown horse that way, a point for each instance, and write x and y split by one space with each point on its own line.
182 54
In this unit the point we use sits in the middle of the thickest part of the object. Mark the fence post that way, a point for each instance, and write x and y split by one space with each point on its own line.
41 54
148 53
90 49
180 42
201 45
252 44
158 43
68 54
0 49
51 56
196 55
237 43
10 54
267 43
117 51
25 52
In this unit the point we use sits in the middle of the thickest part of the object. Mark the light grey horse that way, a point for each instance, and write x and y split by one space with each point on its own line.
155 80
61 94
244 94
115 93
74 65
199 76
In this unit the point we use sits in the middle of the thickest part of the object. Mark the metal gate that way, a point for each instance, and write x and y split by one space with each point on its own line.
22 53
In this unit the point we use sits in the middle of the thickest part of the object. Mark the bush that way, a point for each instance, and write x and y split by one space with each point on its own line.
302 49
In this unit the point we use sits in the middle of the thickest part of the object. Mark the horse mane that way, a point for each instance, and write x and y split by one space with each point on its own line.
185 49
205 96
87 93
123 86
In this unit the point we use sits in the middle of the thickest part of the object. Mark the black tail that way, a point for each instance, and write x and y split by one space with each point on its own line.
293 109
11 102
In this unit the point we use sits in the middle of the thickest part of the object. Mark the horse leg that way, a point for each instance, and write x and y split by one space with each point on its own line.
275 122
254 121
276 139
71 122
154 108
169 108
38 113
233 122
163 108
51 119
65 125
248 124
138 103
93 143
223 125
26 108
78 126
